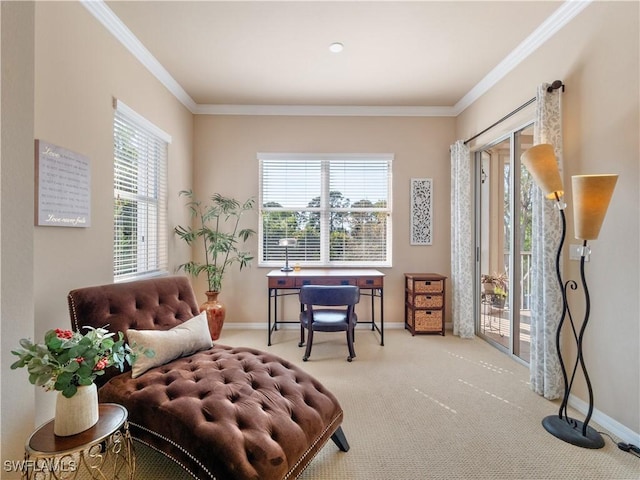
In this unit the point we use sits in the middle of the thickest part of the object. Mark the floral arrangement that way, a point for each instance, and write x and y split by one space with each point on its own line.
69 359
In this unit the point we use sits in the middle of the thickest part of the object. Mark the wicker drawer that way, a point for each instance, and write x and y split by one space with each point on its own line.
425 286
425 320
427 301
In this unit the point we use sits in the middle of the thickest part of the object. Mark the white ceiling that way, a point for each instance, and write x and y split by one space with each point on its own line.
417 56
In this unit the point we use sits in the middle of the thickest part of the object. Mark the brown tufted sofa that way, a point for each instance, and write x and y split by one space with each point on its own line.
222 413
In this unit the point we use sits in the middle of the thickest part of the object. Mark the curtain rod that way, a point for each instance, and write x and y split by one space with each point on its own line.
554 86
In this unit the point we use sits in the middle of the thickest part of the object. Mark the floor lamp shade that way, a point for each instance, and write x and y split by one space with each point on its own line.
591 197
543 166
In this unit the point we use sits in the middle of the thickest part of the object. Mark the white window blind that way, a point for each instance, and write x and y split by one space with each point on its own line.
140 196
337 207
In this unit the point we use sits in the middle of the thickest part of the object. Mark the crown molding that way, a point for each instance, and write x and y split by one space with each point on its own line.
121 32
563 15
325 110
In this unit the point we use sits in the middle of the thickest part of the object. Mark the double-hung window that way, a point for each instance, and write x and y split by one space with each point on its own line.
336 206
140 196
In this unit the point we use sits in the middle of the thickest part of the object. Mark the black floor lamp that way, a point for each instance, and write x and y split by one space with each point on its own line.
591 197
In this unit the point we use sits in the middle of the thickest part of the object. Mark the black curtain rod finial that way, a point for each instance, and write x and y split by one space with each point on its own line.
555 85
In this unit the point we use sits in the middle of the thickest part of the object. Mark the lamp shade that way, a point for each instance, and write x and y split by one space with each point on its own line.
591 197
543 166
287 242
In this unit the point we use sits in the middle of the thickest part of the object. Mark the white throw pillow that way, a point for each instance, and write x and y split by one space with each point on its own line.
182 340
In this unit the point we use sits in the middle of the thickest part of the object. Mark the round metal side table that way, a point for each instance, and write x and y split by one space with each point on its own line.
105 451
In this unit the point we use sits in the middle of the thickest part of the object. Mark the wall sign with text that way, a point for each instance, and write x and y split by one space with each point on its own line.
63 187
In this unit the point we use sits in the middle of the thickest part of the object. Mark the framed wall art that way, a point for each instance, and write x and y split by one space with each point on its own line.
63 187
421 211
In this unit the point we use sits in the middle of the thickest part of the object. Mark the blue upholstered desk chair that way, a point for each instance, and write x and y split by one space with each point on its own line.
328 319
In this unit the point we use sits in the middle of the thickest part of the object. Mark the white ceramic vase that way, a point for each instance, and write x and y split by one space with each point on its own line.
78 413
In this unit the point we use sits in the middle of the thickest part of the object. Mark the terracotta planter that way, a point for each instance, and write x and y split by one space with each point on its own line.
215 314
78 413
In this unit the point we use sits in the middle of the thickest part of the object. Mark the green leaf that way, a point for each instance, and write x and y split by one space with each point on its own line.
26 343
72 366
64 378
18 364
84 370
69 391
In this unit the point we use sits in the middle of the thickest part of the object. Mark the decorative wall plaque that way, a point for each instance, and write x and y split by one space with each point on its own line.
421 211
63 187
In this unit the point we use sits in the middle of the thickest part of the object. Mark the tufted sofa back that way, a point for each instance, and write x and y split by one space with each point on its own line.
152 304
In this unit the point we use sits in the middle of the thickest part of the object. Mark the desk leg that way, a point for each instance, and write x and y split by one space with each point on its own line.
373 309
273 296
381 317
271 292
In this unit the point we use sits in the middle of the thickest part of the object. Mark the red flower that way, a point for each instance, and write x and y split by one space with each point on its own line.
102 364
79 359
66 334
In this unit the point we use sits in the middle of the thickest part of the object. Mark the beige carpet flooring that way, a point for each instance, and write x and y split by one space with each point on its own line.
427 407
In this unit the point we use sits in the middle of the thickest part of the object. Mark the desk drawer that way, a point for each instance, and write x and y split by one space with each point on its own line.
282 282
370 282
325 281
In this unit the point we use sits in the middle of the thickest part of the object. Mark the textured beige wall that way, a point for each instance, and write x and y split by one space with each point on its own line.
225 162
597 57
79 68
16 222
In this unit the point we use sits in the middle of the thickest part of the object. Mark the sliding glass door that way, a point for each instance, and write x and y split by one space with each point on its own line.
503 244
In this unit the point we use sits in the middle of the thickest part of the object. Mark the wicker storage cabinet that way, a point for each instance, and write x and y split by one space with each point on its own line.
424 300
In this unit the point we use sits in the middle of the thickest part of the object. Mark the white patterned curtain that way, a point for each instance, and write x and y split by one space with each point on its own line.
461 241
546 295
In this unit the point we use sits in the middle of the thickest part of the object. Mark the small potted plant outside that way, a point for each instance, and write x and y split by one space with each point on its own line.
487 283
499 297
217 230
496 285
497 279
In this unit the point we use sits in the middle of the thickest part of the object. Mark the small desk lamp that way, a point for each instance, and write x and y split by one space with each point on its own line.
286 243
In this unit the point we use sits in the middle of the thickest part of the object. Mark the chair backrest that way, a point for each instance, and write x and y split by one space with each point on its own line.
329 295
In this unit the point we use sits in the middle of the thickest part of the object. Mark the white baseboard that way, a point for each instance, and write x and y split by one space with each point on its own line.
616 428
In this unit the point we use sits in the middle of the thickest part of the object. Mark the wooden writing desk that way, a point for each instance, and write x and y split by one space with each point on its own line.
288 283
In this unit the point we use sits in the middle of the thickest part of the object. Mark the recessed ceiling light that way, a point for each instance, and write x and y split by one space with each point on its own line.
336 47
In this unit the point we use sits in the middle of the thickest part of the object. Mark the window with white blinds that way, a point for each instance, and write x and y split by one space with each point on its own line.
140 196
337 207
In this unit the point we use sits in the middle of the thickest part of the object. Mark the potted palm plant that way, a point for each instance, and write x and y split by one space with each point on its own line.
217 229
